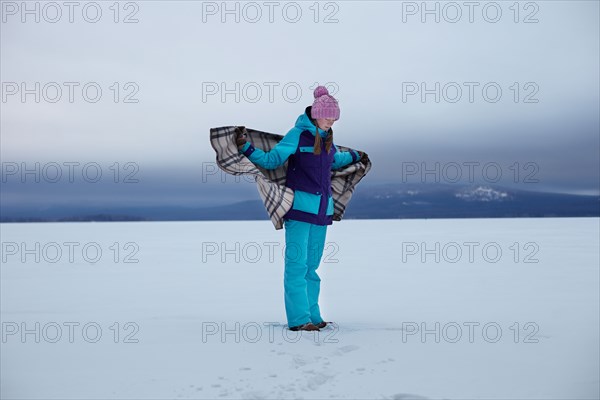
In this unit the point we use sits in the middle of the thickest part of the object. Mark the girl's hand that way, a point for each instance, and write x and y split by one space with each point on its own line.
364 158
240 138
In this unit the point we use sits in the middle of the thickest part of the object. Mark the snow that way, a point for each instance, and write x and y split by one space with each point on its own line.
482 193
380 281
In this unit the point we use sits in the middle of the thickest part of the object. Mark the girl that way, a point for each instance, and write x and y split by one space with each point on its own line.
308 147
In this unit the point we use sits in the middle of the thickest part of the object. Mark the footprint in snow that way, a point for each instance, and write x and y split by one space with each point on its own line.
316 379
408 396
345 349
299 362
255 394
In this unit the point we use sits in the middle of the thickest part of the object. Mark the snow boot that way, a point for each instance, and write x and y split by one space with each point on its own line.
309 326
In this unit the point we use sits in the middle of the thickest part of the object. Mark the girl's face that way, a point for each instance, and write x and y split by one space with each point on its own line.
325 123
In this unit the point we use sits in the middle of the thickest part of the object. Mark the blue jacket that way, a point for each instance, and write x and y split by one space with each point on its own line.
309 175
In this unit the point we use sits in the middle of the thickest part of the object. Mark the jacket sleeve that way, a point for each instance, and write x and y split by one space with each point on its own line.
343 158
277 155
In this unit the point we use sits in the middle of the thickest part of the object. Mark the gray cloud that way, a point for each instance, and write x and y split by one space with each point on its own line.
369 55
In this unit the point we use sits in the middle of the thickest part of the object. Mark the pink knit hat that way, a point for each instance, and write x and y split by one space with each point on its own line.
325 105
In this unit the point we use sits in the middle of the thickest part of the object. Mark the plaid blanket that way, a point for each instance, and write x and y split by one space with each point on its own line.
278 198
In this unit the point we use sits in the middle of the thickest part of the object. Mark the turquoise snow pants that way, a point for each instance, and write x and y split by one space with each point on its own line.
304 243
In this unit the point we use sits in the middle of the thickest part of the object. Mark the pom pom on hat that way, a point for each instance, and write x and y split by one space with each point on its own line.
325 105
320 91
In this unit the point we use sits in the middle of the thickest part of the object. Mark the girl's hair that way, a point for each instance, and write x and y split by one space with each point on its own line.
328 140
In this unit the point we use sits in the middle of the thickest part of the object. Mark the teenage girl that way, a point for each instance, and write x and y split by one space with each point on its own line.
308 147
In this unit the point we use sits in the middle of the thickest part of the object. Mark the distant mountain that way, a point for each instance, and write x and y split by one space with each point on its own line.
478 201
381 201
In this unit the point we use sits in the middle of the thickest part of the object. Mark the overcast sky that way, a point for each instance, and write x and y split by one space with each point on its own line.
377 57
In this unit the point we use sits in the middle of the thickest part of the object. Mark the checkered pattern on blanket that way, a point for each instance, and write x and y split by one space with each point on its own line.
278 198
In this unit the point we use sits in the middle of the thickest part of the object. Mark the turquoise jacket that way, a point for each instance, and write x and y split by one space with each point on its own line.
308 175
289 144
